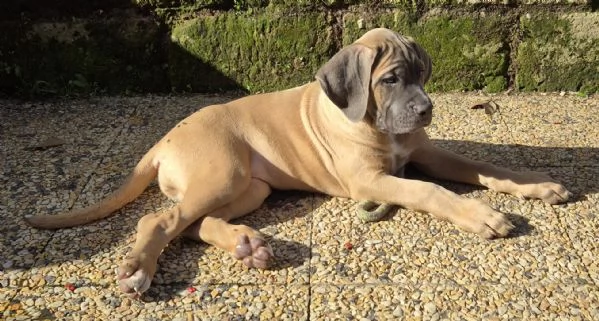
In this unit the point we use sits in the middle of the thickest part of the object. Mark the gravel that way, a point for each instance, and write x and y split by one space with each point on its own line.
329 265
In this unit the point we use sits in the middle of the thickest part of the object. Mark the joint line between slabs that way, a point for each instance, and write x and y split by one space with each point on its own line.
563 223
309 303
80 190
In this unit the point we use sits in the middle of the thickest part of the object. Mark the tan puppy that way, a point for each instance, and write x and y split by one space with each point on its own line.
343 135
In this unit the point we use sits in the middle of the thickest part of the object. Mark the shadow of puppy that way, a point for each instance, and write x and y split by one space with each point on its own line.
522 225
178 269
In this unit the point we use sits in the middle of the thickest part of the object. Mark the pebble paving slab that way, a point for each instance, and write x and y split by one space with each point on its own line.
61 154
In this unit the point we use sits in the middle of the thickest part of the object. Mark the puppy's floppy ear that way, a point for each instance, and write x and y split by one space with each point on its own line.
345 79
426 62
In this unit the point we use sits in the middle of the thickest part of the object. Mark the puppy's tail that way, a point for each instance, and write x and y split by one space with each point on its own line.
142 175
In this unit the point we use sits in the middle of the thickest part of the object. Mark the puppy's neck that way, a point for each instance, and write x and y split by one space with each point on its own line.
337 122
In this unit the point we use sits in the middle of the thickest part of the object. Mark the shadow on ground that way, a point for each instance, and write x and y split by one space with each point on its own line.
111 47
579 162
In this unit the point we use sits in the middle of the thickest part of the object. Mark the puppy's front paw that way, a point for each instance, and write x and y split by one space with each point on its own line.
133 278
480 218
541 186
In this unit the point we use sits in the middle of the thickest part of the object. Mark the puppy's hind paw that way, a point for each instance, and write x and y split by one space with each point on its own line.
253 252
132 279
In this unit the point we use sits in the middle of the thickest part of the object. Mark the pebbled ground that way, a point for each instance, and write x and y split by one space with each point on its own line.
329 265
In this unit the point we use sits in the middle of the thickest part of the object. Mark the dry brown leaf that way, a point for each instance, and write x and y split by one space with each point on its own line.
490 107
137 120
49 142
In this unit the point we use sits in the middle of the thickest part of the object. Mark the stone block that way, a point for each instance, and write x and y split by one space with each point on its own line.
262 51
113 55
469 52
558 52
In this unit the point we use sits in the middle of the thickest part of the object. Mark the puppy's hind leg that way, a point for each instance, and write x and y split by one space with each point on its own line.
243 242
155 231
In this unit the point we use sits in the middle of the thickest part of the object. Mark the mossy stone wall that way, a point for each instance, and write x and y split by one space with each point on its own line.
117 54
262 51
139 46
559 51
466 56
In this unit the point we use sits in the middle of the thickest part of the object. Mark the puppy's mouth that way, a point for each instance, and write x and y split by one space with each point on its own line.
427 120
404 128
388 124
415 127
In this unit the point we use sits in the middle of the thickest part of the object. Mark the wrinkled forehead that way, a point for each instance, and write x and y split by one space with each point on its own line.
377 36
393 50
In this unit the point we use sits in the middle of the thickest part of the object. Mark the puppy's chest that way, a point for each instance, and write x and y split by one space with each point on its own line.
398 156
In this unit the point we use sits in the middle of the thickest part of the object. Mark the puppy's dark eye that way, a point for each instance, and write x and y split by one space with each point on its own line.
390 80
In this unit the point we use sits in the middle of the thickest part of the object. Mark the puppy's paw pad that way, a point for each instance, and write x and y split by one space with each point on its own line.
132 279
243 247
253 252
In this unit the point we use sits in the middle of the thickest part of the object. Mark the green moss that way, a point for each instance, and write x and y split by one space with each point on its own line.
197 4
305 3
468 53
83 56
355 24
10 70
404 4
263 51
495 84
264 45
558 52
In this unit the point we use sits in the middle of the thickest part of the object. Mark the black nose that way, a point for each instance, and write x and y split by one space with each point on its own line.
422 109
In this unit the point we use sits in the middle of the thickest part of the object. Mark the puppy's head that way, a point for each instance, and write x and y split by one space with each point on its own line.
380 76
